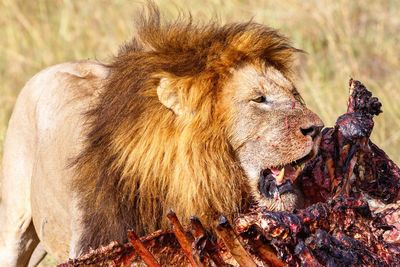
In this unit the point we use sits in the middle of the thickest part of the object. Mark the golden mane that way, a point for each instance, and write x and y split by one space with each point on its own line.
140 158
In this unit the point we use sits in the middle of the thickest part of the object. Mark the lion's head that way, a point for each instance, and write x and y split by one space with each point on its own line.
272 133
198 119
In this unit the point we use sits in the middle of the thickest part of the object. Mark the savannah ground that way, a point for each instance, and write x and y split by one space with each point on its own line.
343 39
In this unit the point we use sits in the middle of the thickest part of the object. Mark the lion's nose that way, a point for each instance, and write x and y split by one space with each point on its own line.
312 131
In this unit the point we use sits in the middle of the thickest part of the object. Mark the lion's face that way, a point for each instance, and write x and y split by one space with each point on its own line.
272 133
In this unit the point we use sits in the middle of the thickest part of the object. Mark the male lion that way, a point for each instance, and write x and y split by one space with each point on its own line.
203 120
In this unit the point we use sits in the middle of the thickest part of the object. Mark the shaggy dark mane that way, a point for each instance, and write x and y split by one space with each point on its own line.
140 159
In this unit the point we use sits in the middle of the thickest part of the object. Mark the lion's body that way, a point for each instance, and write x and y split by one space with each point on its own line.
44 134
174 122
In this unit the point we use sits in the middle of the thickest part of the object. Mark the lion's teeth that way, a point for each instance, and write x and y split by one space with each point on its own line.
280 177
296 174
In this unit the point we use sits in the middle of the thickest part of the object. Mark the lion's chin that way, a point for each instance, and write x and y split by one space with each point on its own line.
288 201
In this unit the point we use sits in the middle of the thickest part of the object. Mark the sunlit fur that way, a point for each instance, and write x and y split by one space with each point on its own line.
141 159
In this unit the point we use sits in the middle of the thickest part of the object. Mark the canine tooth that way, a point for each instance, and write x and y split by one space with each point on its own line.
279 178
302 166
296 174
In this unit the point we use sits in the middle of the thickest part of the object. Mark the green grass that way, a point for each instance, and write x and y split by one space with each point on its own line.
343 39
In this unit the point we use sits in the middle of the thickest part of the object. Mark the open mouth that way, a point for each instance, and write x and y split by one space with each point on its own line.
275 181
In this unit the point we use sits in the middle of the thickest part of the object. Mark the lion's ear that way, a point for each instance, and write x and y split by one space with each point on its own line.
168 96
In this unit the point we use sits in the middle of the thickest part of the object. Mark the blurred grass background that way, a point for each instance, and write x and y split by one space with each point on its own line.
343 39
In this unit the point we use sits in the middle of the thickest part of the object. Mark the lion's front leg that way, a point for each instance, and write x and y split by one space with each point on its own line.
17 241
18 237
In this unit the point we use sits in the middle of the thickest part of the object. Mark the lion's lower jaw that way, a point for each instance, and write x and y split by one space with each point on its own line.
286 202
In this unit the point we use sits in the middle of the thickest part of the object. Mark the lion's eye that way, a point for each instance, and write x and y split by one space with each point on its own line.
260 99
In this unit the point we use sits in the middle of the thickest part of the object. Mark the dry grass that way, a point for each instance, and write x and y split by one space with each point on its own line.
343 39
